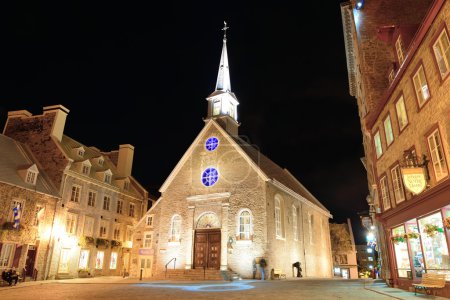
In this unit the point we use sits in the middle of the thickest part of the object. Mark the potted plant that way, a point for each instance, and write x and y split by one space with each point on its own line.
99 242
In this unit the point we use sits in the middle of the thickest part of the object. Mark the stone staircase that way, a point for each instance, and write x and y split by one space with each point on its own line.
190 274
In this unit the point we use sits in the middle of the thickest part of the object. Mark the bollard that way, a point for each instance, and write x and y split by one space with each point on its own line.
140 277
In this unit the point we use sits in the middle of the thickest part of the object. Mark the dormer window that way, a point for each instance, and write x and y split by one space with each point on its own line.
81 152
107 178
101 161
31 177
86 169
126 185
399 50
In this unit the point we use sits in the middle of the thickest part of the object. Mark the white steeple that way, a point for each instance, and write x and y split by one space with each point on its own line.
222 103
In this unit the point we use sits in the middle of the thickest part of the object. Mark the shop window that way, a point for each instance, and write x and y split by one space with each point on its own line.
415 249
113 262
84 259
401 254
99 260
434 245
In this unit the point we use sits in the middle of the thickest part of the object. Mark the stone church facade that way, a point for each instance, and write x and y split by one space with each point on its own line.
226 205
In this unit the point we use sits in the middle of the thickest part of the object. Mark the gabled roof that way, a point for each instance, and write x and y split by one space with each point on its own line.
16 156
266 168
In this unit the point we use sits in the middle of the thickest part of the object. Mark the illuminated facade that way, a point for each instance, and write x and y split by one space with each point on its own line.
225 205
100 200
24 184
398 63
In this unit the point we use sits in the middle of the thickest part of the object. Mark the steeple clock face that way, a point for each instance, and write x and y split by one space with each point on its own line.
212 143
210 176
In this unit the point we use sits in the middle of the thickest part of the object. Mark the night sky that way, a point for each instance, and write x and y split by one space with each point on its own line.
140 74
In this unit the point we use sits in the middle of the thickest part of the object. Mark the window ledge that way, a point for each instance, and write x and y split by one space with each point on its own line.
174 243
281 238
244 242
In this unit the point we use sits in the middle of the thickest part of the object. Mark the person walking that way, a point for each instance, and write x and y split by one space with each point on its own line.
262 265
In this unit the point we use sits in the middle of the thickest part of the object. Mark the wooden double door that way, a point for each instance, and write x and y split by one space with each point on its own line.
207 249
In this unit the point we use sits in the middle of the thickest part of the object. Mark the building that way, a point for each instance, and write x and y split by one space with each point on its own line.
225 205
101 201
343 249
24 184
366 258
398 65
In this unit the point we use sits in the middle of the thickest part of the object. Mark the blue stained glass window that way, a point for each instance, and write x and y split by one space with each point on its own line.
210 176
212 143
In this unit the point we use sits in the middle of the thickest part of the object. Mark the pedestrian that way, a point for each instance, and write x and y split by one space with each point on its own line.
262 265
14 276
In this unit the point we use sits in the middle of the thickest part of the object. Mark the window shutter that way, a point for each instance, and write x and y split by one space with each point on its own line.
17 254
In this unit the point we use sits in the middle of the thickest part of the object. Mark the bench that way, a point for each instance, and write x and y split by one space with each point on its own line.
278 273
430 282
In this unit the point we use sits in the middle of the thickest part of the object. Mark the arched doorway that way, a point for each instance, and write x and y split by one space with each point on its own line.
207 242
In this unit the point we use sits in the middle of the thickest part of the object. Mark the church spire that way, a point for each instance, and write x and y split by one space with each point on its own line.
223 77
222 103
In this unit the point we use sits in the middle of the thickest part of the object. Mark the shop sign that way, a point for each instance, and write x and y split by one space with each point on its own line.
145 251
414 179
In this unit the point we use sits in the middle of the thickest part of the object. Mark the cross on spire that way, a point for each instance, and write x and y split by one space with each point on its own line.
225 27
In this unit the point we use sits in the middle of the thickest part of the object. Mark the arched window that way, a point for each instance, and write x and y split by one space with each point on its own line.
245 225
175 229
279 216
294 222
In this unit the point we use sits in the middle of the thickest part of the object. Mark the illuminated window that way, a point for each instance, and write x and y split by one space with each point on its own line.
84 259
148 238
437 155
401 253
245 225
378 147
399 50
294 222
216 108
71 223
385 193
397 184
106 202
99 260
421 86
370 258
88 226
442 53
415 249
175 229
211 143
402 117
113 262
388 130
76 192
210 176
92 197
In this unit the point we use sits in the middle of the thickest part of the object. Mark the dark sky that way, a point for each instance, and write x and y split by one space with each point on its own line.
140 74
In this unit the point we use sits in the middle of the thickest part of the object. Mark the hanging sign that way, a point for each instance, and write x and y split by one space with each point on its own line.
414 179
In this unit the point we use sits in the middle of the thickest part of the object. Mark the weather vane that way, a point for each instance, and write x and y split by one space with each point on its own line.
225 27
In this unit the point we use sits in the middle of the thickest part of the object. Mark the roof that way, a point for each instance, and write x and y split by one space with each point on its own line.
275 172
16 156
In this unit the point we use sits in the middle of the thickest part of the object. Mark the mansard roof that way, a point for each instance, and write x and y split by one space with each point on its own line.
15 157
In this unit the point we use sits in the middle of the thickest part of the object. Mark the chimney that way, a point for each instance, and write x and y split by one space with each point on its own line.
59 121
125 160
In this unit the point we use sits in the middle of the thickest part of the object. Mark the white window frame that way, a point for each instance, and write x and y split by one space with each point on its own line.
113 263
132 210
36 212
175 228
89 223
149 221
442 55
279 203
85 169
6 255
147 239
100 256
106 202
107 178
75 193
377 143
71 223
438 159
397 184
384 189
402 116
399 50
389 133
245 224
31 177
92 198
295 222
83 262
421 86
14 203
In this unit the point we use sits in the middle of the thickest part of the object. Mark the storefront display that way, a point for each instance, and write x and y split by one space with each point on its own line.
401 253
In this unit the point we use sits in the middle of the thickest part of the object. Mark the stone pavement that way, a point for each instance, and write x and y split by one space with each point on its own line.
127 288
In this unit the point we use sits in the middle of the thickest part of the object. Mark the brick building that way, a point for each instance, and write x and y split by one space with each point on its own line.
366 258
101 201
398 63
24 184
343 250
225 205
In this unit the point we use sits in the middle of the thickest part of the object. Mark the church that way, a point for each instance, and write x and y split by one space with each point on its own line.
225 206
